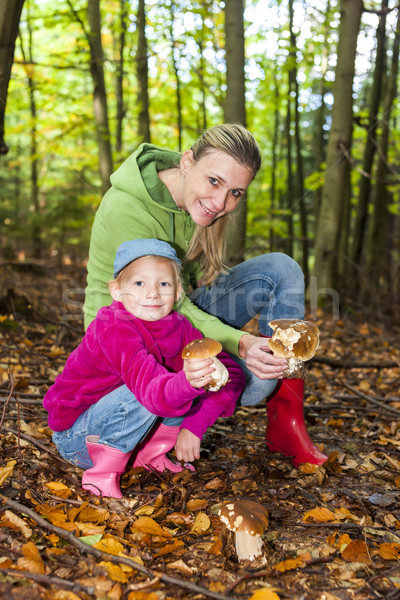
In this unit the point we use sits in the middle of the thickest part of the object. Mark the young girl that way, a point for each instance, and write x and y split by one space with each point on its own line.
126 390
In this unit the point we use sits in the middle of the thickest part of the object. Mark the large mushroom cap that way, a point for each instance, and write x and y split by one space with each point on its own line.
248 519
204 348
294 339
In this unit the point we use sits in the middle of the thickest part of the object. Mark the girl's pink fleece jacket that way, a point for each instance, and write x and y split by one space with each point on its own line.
119 349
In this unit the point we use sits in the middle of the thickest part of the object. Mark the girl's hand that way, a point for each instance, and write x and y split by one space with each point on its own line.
198 371
187 447
259 358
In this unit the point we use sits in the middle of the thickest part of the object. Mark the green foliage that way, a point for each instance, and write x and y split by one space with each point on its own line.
192 33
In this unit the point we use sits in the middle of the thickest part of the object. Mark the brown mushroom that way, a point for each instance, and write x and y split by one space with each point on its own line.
248 520
208 348
295 340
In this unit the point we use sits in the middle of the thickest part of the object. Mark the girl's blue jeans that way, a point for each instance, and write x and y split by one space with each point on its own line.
271 285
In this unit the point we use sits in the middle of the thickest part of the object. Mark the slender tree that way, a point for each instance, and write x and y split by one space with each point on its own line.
34 160
371 143
99 93
119 75
337 168
378 256
10 13
142 72
235 108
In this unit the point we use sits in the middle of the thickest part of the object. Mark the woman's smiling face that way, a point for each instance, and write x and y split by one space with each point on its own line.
212 186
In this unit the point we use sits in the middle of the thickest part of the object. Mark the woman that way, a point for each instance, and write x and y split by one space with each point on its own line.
185 199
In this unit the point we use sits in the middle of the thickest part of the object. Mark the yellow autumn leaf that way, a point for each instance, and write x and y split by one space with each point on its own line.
201 524
149 526
169 547
180 565
344 513
264 594
144 510
7 471
64 595
216 548
12 521
319 515
59 489
110 545
289 564
31 561
356 551
56 351
389 551
139 595
196 504
115 572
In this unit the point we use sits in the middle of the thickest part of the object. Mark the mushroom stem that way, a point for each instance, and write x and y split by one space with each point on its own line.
248 546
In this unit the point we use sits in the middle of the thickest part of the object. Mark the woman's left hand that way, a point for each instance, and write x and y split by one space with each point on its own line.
259 358
187 447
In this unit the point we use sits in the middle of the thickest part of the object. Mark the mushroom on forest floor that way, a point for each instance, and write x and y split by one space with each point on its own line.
208 348
248 520
295 340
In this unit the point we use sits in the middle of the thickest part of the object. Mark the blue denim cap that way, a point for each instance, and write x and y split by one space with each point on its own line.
133 249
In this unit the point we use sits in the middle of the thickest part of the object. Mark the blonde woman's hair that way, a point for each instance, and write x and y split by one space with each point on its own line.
207 245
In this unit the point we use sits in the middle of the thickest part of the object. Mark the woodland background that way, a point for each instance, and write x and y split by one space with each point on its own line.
315 82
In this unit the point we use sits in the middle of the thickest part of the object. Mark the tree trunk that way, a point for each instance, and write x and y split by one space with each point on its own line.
235 111
274 166
99 93
175 63
371 143
34 161
378 251
337 167
10 13
142 73
119 79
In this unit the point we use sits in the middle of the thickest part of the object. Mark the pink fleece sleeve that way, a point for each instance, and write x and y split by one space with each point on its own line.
212 405
163 393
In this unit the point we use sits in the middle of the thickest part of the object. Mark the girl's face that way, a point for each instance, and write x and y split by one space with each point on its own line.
212 186
147 288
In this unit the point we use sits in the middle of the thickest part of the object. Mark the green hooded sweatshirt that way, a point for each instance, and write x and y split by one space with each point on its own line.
139 205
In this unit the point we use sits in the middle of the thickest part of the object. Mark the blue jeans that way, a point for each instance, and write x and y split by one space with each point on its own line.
118 418
271 285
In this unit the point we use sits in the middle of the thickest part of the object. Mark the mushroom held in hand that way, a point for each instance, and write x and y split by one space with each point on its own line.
208 348
248 520
295 340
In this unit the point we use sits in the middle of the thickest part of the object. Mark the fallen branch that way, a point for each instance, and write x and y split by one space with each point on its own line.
355 364
85 548
372 400
50 581
36 443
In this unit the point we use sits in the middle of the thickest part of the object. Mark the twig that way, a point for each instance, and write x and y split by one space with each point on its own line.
355 364
273 573
85 548
70 585
370 399
30 439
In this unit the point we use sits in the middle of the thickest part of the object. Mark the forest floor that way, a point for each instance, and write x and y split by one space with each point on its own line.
334 530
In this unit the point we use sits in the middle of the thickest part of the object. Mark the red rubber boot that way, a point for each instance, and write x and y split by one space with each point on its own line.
286 430
152 452
108 465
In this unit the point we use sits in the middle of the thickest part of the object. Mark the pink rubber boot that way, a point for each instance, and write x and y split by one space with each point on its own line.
108 465
286 430
152 452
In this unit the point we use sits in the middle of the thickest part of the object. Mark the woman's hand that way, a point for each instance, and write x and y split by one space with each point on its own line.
259 358
198 371
187 447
